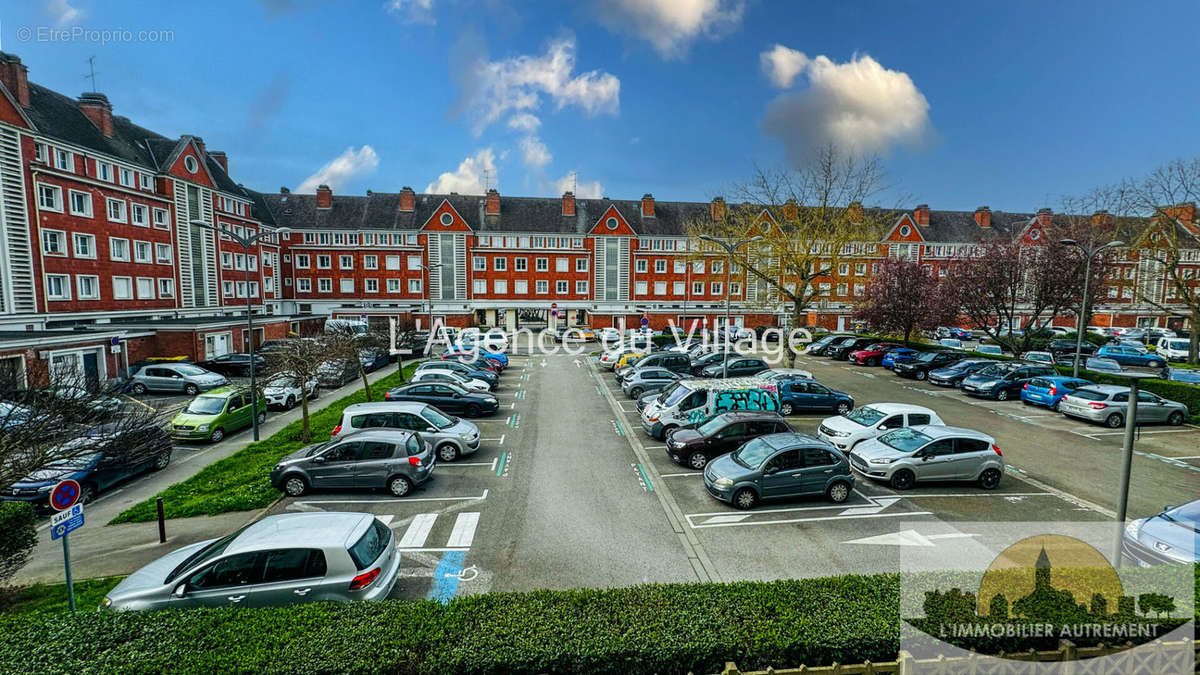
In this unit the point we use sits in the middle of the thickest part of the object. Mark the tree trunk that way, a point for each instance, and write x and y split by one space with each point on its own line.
907 333
305 430
797 310
1194 340
362 372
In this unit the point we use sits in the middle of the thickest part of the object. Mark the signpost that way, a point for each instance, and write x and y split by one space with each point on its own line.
65 497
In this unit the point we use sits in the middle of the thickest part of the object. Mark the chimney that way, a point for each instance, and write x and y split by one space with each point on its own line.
568 203
983 216
219 156
492 207
96 108
407 199
647 205
15 77
284 191
717 208
921 214
791 211
856 212
1045 217
1101 218
324 197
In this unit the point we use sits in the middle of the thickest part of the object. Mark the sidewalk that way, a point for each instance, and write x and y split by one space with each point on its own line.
99 550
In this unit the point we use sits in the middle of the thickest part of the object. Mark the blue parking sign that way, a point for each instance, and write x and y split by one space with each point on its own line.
65 522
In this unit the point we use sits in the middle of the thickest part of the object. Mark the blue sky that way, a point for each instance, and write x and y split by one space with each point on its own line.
1009 104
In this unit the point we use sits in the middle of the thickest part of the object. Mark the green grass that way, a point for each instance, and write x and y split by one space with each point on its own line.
240 481
47 599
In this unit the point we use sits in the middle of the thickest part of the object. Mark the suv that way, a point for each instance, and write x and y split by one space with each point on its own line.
450 436
212 415
175 377
1003 380
695 446
373 459
903 457
644 379
737 367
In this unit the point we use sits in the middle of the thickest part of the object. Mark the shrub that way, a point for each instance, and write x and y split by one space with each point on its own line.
18 537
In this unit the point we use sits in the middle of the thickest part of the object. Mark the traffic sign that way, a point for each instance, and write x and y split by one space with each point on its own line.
115 341
65 494
554 305
554 314
65 522
645 321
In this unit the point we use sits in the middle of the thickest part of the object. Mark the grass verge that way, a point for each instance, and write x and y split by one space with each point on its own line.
239 482
51 599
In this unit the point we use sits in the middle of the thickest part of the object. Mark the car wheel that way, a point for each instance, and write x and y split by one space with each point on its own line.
697 460
1002 395
447 452
290 402
1054 406
989 479
399 486
872 361
745 499
786 409
161 461
920 375
843 408
903 479
262 417
1114 421
139 389
1175 419
838 492
472 410
217 436
636 392
191 390
295 486
1156 364
85 494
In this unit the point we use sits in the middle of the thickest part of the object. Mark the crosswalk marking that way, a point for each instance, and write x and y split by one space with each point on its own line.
418 531
464 530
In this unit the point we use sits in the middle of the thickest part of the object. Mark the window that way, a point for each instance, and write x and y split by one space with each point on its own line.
843 269
304 285
146 181
122 288
166 288
542 287
414 285
116 210
581 264
239 261
160 219
639 288
63 160
500 286
252 263
145 288
85 245
735 288
162 254
697 288
58 286
843 290
269 284
346 285
718 266
54 242
49 197
346 262
680 266
81 204
41 152
141 251
716 288
391 262
640 266
370 262
860 269
139 215
414 262
677 288
88 286
370 285
581 287
479 263
324 285
324 262
521 264
698 267
562 287
660 266
118 249
562 264
479 286
126 177
660 288
500 264
302 261
521 287
541 264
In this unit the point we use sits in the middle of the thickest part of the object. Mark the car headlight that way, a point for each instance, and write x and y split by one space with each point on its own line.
44 489
881 460
837 434
1132 528
106 602
723 482
278 467
202 427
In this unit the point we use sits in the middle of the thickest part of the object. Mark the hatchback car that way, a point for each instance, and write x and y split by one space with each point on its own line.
868 421
993 350
284 559
373 360
809 395
778 374
736 367
1108 404
872 355
1049 391
432 375
1171 537
281 391
1003 381
234 364
1131 356
919 367
175 377
900 355
446 397
392 459
904 457
695 446
842 350
210 416
336 373
470 370
707 359
779 466
451 437
646 379
818 347
1039 357
499 358
953 374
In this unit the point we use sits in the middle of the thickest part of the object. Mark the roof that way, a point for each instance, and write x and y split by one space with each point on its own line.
386 406
790 438
732 383
1105 388
287 530
889 408
940 431
58 116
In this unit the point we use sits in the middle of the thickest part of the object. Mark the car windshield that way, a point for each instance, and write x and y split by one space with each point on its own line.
864 415
75 462
1185 514
1089 394
1181 345
904 439
712 426
318 448
753 454
927 357
190 370
437 419
994 371
206 405
676 395
280 381
203 555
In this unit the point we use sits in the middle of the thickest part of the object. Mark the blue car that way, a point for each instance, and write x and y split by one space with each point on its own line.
808 395
960 334
902 354
499 357
1131 356
1048 391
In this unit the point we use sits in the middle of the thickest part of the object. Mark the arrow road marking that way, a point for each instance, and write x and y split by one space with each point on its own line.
877 504
908 538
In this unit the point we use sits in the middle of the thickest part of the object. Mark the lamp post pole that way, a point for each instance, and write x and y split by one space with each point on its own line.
729 247
246 243
1090 252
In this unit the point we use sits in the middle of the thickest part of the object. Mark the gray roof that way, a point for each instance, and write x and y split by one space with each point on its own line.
58 116
290 529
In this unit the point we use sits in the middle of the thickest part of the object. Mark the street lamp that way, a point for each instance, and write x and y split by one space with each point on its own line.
1090 251
729 247
246 243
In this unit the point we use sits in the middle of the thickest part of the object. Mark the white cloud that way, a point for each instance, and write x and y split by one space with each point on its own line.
524 122
584 190
859 106
412 11
62 13
534 152
783 64
346 166
670 26
468 178
497 88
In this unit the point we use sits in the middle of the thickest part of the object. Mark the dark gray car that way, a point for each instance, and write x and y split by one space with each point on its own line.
391 459
647 378
779 466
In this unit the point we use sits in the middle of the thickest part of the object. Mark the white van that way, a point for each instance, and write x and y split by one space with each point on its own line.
694 401
1172 348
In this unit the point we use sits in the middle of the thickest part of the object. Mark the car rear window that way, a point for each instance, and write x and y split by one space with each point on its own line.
371 545
1040 382
1089 394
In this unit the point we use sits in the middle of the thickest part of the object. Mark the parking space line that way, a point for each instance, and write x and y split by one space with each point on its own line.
464 530
499 440
449 465
980 494
1159 431
433 549
393 501
500 462
806 520
677 475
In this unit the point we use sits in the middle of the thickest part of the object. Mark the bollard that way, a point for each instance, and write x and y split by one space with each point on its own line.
162 523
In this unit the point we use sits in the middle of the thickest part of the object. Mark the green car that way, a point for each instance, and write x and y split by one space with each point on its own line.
213 414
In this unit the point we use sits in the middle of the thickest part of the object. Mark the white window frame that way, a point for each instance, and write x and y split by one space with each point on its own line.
125 176
324 284
541 264
64 280
113 243
581 264
150 294
127 294
370 262
641 288
159 256
90 244
328 264
520 264
414 286
500 264
166 287
346 285
139 215
479 286
85 212
342 259
478 263
541 287
303 285
500 286
370 285
55 201
163 223
641 266
137 256
581 287
123 214
562 264
562 287
415 262
64 160
303 261
59 237
79 281
520 286
391 262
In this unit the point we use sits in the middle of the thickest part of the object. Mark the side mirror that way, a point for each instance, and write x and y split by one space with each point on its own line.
770 470
180 591
320 459
458 396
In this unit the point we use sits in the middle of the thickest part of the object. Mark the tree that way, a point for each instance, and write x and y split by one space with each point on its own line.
344 343
298 360
998 608
1155 602
903 298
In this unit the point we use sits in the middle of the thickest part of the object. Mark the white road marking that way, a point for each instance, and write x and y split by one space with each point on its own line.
726 519
430 550
878 504
908 538
981 494
391 501
418 530
1160 431
677 475
386 520
813 520
464 530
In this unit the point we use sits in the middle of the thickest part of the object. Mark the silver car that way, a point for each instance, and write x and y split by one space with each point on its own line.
930 453
647 379
1108 404
451 437
369 460
280 560
175 377
281 391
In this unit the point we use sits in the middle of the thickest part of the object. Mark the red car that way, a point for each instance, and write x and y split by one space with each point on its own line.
872 354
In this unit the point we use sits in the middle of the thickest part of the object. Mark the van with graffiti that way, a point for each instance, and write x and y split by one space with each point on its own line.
694 401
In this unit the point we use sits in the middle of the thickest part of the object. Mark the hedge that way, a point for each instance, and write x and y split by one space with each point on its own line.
240 482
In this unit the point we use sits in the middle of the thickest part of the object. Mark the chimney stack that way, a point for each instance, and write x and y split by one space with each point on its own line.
284 191
15 77
200 144
98 110
324 197
791 211
717 208
983 216
492 206
220 158
568 203
856 212
1045 217
647 205
408 199
921 214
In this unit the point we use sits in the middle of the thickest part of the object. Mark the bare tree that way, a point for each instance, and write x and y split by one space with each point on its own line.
298 360
344 343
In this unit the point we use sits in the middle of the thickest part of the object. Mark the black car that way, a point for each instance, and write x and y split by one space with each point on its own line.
373 360
820 347
448 398
700 363
1066 348
841 350
919 367
234 364
951 375
695 446
738 367
1003 381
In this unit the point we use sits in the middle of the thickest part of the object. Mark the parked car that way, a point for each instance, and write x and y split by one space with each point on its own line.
1183 375
1003 381
1103 365
779 466
610 358
210 416
1129 356
737 367
895 356
1066 348
840 351
234 364
1171 537
695 401
1135 334
809 395
432 375
175 377
451 437
1109 404
1039 357
819 347
627 361
1172 348
479 362
500 358
98 458
904 457
336 373
673 361
868 421
609 334
777 374
919 367
393 459
76 404
494 340
951 343
960 333
282 391
372 360
646 379
994 350
285 559
13 415
696 446
705 360
1049 391
446 397
872 355
953 374
471 371
1136 346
